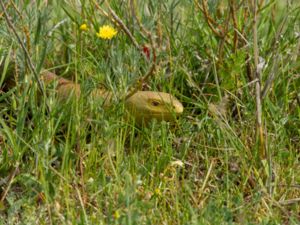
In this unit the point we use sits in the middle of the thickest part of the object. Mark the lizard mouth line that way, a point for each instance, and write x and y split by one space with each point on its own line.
161 114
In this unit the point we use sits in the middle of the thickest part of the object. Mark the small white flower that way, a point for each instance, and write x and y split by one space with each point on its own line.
177 163
261 65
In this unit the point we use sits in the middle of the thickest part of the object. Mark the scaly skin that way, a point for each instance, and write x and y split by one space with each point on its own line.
143 105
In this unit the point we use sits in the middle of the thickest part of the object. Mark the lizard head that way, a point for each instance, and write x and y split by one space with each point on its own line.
147 105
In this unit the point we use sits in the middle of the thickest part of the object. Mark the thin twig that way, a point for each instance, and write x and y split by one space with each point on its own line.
206 179
124 27
120 23
211 23
152 68
10 180
203 9
219 32
271 77
100 9
223 40
49 213
7 5
27 56
16 9
235 24
257 75
290 201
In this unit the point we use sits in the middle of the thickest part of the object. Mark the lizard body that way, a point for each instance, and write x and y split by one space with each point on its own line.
143 105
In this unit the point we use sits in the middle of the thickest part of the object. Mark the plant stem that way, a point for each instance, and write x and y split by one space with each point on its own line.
257 75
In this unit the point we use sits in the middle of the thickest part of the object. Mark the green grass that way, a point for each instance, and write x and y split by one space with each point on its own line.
77 163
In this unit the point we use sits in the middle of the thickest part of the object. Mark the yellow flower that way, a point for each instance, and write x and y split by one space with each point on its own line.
116 214
83 27
157 191
106 32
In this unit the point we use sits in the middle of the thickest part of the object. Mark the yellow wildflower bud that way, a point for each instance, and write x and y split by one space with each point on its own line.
116 214
83 27
157 191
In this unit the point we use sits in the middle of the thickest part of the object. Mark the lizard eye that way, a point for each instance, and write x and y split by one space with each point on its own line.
155 103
